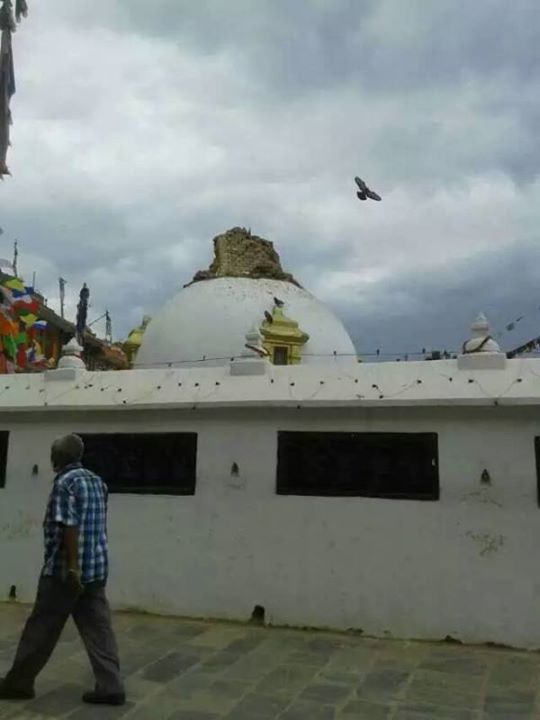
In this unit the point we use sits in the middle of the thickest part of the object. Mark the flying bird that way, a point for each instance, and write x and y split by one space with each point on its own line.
364 191
278 302
268 317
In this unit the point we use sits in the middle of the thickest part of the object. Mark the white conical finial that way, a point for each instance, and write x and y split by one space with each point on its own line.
481 341
253 336
253 358
253 343
71 356
480 326
481 351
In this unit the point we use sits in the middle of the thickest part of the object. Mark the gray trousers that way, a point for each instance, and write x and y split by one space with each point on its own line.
54 604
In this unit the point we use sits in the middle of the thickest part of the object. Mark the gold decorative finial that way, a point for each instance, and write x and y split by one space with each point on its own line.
282 337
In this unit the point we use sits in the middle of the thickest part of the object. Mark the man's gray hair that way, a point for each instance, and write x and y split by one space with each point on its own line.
69 448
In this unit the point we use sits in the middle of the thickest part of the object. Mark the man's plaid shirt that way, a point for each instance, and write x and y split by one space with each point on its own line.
78 499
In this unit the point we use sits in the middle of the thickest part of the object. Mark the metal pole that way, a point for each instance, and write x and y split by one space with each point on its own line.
15 257
62 284
108 327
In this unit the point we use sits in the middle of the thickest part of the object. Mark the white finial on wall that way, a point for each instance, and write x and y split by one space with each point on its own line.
253 343
481 351
253 359
481 340
71 356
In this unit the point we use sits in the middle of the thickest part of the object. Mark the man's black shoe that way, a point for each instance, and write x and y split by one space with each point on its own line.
98 698
8 692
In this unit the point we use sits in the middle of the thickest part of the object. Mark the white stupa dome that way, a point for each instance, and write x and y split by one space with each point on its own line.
206 323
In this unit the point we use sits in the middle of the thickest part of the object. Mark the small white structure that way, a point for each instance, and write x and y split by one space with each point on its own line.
71 356
481 341
253 359
481 351
70 365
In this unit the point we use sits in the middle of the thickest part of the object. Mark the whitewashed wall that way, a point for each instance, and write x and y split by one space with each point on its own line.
467 566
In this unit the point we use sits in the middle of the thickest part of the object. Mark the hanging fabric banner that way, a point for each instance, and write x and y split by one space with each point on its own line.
8 25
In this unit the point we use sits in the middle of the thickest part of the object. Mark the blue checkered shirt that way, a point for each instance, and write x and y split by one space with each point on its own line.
78 499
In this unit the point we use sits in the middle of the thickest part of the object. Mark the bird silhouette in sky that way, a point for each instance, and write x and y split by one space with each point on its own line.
278 303
268 317
364 192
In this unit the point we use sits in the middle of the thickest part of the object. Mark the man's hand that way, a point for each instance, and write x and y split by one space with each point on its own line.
73 581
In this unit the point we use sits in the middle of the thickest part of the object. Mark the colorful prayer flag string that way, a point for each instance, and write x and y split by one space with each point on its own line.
19 317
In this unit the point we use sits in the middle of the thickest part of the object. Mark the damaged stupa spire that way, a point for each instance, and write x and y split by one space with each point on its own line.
238 253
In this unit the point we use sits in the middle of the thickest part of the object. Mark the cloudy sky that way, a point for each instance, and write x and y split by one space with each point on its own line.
143 129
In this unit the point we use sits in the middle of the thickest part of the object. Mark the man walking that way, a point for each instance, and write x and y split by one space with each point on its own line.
72 582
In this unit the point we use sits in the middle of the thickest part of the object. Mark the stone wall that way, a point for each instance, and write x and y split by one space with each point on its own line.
464 566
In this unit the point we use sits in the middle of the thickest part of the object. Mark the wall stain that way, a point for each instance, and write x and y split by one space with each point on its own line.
488 544
22 526
482 496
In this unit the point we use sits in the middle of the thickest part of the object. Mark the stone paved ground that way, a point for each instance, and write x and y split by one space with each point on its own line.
182 670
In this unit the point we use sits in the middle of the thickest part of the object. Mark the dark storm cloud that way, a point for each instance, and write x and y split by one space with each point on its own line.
309 45
483 57
435 312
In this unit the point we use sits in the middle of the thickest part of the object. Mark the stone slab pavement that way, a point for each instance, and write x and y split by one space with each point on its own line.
187 670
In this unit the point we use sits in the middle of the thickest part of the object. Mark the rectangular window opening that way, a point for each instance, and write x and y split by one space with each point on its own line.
345 464
537 453
4 445
144 463
281 355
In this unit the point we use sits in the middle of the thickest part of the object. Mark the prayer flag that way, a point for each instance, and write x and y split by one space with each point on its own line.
29 319
14 284
7 326
10 347
25 305
6 295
